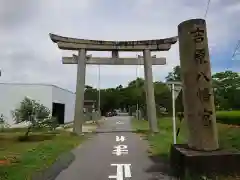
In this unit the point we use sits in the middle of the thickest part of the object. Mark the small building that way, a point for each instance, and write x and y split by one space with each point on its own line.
59 101
89 105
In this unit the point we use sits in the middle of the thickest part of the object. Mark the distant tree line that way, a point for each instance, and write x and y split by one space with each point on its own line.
226 89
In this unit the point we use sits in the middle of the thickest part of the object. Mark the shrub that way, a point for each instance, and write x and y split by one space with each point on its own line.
3 123
228 117
51 123
224 117
32 112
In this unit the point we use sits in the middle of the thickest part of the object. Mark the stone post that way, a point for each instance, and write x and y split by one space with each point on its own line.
80 86
199 109
149 89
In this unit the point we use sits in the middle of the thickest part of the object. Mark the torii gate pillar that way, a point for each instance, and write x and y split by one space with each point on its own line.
149 89
80 86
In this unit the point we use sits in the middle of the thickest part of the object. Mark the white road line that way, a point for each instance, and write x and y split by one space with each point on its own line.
127 171
123 171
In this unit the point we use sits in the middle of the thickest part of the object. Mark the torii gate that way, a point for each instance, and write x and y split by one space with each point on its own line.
84 45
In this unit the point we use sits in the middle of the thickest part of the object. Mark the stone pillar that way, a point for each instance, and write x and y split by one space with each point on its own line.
149 89
199 109
80 87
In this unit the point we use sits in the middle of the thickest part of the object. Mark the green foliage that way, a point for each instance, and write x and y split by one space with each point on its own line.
127 97
228 117
226 94
226 90
3 123
34 156
32 112
1 119
175 75
51 123
226 87
160 143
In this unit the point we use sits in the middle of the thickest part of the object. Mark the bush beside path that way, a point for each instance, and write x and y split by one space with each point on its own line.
228 117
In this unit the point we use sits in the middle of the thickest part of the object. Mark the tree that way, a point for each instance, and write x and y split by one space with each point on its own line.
226 90
3 123
131 95
32 112
175 75
226 86
52 123
90 93
162 96
139 82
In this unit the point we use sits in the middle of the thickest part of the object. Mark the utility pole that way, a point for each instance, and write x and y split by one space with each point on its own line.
99 91
137 113
175 87
174 115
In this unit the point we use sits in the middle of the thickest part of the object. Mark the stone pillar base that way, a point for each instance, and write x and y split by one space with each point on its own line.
183 160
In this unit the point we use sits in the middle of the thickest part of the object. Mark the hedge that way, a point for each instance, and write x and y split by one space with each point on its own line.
224 117
228 117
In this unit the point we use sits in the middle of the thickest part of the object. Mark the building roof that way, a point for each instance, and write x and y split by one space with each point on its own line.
38 84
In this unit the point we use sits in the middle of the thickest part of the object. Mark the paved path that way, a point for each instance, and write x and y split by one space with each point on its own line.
95 159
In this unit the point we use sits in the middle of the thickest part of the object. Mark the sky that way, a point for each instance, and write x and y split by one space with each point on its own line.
27 55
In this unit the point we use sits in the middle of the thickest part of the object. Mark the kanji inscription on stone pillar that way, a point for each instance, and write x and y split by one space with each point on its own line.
199 108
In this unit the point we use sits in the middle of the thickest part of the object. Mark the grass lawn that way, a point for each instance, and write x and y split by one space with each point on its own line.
159 143
229 136
28 157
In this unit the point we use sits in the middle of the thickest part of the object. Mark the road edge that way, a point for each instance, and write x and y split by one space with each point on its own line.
50 173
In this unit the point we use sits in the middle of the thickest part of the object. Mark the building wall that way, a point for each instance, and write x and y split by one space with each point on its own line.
66 97
12 94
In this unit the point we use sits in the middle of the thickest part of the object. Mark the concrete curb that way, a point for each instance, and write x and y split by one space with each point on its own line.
54 170
102 119
115 131
89 126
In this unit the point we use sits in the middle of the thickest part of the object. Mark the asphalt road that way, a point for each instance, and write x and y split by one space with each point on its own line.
96 160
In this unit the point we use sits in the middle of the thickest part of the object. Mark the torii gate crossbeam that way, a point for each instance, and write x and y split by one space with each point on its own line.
113 61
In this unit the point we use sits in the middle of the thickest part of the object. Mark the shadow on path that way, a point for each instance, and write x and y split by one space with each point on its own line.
160 167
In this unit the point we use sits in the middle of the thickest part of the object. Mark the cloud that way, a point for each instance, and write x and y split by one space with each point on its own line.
28 55
14 14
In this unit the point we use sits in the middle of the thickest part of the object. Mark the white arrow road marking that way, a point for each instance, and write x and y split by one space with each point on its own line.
123 171
120 150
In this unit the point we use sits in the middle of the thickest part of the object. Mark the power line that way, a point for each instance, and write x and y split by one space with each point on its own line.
236 51
206 12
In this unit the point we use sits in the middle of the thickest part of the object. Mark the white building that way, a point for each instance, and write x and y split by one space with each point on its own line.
60 101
